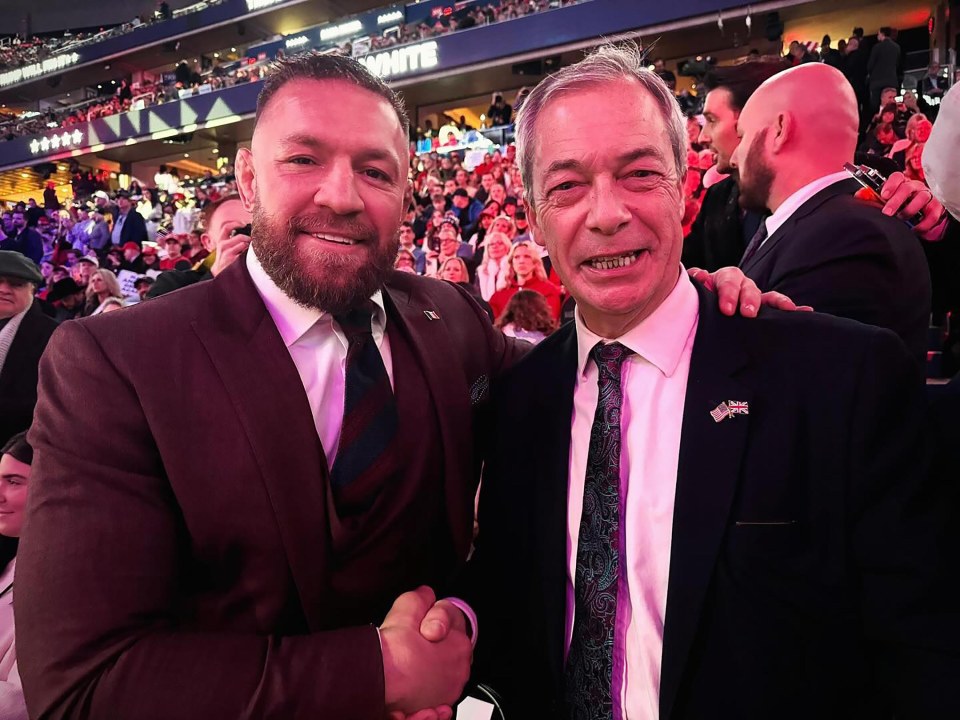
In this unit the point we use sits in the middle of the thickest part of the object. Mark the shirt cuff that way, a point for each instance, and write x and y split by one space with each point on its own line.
471 616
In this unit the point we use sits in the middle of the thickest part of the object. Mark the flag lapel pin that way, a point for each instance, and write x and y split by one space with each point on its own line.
738 407
720 413
431 315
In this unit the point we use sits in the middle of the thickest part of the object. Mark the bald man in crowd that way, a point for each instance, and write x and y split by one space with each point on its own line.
822 246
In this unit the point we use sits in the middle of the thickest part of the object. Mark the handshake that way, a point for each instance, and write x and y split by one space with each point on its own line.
426 656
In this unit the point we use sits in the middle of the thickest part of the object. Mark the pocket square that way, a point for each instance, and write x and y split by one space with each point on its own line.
479 388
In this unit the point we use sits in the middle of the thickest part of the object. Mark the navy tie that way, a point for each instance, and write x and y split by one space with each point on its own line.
755 242
589 669
367 453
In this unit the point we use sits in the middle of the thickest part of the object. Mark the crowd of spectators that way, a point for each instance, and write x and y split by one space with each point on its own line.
18 51
185 80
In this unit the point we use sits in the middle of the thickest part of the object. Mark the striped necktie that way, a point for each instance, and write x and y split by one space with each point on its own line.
589 685
367 453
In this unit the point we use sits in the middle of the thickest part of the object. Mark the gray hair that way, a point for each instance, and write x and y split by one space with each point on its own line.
607 63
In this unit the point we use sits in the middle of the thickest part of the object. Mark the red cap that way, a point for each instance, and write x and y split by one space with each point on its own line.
130 246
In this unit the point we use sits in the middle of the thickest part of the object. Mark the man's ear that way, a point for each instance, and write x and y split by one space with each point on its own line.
784 127
246 178
207 242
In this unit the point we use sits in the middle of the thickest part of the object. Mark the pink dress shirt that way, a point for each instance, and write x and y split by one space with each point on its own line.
654 390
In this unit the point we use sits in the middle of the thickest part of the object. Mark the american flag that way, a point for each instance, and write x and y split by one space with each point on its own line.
738 407
720 412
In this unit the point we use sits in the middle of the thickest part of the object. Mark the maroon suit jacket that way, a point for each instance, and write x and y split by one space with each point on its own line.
158 581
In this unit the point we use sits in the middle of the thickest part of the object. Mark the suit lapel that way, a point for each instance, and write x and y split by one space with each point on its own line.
449 389
556 375
707 477
847 187
262 381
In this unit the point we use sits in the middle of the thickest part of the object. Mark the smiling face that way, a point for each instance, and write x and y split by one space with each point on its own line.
607 202
326 191
14 476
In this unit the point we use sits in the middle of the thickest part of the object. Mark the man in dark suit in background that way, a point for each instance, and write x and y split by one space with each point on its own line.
155 582
722 229
128 224
24 239
716 525
883 67
854 69
24 333
822 246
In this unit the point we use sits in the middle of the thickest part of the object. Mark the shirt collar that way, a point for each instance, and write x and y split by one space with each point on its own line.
292 319
660 339
793 203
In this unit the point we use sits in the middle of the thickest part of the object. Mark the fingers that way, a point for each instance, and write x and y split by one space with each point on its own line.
778 301
410 607
892 186
736 289
440 620
701 276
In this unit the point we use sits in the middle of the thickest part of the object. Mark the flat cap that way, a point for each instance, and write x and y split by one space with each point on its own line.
13 264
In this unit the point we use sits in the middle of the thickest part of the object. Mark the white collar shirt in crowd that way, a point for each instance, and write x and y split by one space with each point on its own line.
793 203
318 349
654 384
12 706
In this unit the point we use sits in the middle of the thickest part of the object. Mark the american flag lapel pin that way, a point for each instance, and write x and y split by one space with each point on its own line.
431 315
738 407
720 413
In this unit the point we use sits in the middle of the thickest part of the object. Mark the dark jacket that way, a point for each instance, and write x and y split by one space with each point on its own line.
27 242
798 585
845 257
134 228
18 380
855 70
721 231
171 280
883 67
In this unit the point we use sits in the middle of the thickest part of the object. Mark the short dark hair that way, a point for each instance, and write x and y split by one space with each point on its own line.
314 66
887 31
208 212
19 448
741 81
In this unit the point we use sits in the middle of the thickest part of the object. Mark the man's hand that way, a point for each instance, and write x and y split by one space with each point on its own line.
906 199
735 289
424 676
228 251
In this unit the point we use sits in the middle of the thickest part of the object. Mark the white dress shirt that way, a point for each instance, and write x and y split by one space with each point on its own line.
318 348
654 383
793 203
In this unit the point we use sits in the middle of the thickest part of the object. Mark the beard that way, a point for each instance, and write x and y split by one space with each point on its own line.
755 188
316 277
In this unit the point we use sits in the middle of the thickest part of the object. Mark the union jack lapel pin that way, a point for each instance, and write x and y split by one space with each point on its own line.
720 413
738 407
431 315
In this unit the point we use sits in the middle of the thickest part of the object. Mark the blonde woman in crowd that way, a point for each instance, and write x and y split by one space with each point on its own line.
102 290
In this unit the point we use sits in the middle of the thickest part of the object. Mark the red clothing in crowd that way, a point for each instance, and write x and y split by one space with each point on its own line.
499 300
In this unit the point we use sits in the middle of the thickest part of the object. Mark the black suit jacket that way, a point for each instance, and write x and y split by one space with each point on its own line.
884 65
844 257
134 228
18 381
802 556
716 238
158 579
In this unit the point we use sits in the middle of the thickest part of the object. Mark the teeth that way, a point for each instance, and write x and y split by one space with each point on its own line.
335 239
618 261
